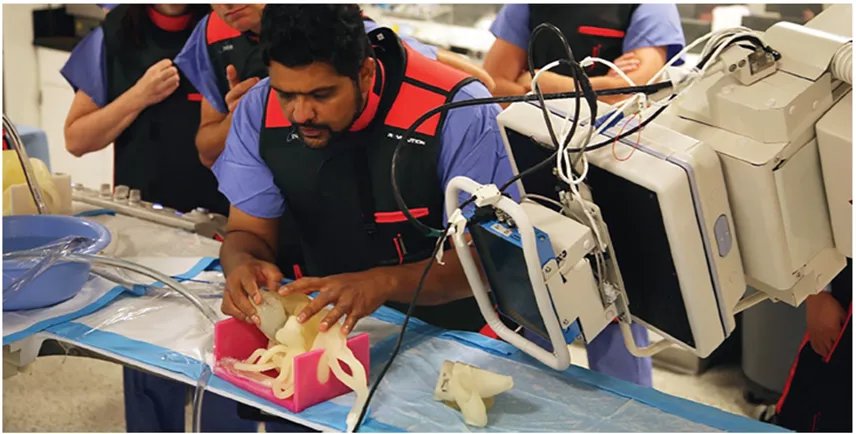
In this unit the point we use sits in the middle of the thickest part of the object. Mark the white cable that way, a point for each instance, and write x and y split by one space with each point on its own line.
719 34
720 40
619 111
678 56
588 60
719 49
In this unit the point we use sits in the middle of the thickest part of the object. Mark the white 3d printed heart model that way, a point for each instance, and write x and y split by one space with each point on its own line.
470 389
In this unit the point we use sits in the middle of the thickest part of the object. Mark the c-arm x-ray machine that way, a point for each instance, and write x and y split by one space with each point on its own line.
740 191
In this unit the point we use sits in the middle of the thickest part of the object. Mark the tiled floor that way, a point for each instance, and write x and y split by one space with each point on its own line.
75 394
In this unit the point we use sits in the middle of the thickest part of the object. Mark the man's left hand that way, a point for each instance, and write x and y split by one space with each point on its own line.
353 295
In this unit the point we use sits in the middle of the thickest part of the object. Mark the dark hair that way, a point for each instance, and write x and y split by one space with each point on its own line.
297 35
136 15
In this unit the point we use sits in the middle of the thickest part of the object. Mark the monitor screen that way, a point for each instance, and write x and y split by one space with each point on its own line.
505 267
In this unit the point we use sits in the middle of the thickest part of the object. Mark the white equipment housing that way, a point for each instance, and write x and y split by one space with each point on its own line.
745 179
765 137
669 221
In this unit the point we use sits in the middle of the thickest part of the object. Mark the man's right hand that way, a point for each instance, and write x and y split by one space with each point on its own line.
159 82
243 283
237 89
824 319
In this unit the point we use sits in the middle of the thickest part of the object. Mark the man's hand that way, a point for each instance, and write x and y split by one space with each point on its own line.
243 282
824 318
237 89
353 295
159 82
628 62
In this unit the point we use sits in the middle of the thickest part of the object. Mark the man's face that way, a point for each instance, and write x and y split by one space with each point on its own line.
241 17
317 100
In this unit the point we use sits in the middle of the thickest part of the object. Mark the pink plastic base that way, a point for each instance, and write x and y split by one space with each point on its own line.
237 339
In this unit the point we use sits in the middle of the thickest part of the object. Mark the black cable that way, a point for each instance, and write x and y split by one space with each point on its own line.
757 42
570 61
431 232
627 133
400 339
580 80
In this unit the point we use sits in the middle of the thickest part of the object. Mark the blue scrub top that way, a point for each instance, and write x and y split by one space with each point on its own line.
85 68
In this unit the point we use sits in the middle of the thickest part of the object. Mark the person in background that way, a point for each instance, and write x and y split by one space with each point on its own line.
129 92
818 396
638 39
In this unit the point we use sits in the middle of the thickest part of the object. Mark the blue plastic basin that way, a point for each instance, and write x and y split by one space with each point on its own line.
61 281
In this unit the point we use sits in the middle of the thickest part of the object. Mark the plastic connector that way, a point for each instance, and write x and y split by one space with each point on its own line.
457 226
636 104
487 195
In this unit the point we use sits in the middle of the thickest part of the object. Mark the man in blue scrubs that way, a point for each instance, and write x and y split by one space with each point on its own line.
316 138
639 38
222 58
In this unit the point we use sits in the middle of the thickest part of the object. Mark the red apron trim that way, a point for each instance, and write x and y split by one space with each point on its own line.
791 374
273 112
411 103
398 216
414 101
194 97
600 31
840 335
217 30
370 111
166 22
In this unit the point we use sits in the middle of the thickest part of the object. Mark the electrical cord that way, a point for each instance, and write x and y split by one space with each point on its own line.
400 339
